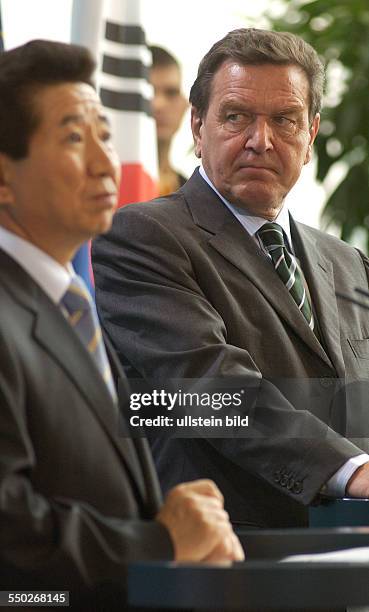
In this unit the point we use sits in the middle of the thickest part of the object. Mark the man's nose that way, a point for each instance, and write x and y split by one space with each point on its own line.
259 136
103 159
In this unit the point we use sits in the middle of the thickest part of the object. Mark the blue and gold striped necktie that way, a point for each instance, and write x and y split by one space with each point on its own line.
285 264
80 311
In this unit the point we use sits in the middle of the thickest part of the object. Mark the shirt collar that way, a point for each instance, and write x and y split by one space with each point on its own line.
50 275
249 222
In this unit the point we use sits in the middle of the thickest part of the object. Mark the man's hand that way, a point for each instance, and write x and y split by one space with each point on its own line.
199 526
358 484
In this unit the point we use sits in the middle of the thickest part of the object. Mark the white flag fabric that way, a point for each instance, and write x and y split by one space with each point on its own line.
87 24
112 29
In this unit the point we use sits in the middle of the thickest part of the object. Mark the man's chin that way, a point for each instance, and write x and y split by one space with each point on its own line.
101 228
105 228
103 225
258 203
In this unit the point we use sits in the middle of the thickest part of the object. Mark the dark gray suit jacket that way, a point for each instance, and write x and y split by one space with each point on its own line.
184 292
75 495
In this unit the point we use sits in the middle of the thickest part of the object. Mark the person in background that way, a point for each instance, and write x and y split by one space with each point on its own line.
168 107
79 499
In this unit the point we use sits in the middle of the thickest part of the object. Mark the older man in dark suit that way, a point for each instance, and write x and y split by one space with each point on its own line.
217 281
79 499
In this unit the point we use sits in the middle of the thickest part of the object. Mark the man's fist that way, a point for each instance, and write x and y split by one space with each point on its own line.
199 526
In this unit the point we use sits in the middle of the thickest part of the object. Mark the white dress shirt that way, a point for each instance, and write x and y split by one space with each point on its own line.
49 274
336 485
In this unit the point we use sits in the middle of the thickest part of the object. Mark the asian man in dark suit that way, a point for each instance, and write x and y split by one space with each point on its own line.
79 499
218 281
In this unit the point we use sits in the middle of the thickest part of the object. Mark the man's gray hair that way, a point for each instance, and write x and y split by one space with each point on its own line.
252 46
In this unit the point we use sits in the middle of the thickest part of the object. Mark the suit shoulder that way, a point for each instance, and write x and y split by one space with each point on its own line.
341 254
328 241
13 307
146 222
159 208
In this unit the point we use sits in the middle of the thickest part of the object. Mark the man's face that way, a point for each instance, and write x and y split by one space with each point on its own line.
255 136
168 104
65 190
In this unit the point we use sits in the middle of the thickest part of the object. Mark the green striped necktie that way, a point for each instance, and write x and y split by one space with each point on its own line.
285 264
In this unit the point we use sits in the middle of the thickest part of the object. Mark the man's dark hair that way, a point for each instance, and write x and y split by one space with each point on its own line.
161 58
23 72
256 47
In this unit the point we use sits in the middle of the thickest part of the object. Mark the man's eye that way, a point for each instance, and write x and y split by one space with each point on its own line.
284 121
234 117
106 136
74 137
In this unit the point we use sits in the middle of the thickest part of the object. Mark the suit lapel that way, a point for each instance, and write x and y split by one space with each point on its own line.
57 337
138 451
230 239
318 272
52 331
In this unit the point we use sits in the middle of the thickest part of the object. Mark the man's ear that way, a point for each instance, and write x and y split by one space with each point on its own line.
313 130
196 126
6 192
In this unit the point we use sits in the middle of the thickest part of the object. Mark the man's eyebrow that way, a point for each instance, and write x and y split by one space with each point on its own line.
70 119
67 119
291 108
246 106
104 119
234 105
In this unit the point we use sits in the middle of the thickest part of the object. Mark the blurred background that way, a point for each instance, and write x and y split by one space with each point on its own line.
333 192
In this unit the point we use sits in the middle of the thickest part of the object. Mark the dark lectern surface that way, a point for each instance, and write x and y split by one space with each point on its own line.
250 586
256 584
267 544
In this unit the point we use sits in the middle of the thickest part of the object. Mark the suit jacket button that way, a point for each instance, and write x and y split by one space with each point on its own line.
284 480
277 476
291 482
297 487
